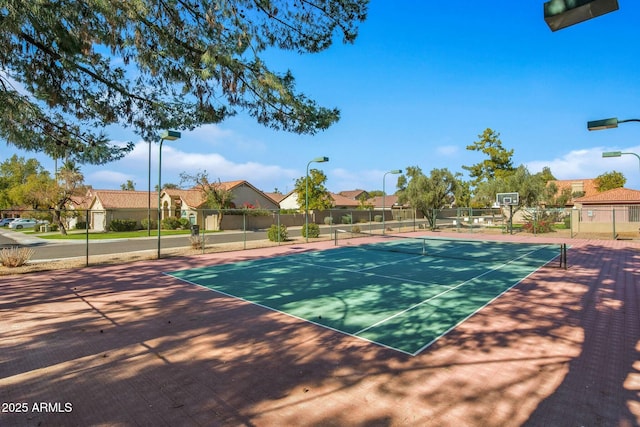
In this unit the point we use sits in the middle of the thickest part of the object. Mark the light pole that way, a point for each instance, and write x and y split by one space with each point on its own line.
618 154
610 124
306 195
384 194
149 194
169 135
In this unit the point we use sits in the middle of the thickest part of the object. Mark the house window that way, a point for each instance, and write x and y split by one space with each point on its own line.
634 213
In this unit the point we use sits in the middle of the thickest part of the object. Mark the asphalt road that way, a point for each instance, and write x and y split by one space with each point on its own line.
56 249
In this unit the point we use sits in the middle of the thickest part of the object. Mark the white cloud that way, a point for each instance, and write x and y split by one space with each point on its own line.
211 136
589 163
448 150
107 178
369 180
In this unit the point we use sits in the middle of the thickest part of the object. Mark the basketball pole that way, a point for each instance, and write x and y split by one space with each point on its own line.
510 219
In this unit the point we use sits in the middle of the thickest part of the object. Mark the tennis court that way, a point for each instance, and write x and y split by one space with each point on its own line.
399 293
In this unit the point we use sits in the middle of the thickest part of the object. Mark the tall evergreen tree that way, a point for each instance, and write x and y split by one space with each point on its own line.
498 163
69 68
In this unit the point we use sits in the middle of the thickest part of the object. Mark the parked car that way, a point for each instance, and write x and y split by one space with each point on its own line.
20 223
5 221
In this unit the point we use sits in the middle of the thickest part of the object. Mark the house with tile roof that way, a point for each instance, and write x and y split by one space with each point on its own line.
290 201
107 205
614 197
191 203
616 210
355 194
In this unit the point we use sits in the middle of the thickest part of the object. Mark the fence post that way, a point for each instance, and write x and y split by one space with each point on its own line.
613 222
244 230
87 239
278 224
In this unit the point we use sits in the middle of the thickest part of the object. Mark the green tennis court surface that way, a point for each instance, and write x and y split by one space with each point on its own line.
390 297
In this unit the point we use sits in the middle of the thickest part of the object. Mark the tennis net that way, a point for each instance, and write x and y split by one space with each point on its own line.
539 254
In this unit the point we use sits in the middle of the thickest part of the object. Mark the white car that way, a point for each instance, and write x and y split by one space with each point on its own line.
5 221
20 223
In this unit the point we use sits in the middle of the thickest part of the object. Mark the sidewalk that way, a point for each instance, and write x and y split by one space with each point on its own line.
20 238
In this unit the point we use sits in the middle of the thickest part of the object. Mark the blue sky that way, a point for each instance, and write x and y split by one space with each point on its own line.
421 82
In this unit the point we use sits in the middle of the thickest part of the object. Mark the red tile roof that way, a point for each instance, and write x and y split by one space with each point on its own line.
276 197
588 185
193 198
114 199
352 194
614 196
344 202
389 201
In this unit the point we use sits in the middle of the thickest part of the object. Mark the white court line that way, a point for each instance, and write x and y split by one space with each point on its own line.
363 271
445 292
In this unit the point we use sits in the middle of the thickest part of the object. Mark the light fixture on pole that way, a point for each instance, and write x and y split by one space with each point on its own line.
618 154
384 194
607 123
169 135
559 14
306 195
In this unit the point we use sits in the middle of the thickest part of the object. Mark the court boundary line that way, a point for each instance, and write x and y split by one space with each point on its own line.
424 347
275 310
355 335
380 322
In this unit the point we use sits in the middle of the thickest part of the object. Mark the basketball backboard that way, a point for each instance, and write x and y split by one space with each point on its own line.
507 199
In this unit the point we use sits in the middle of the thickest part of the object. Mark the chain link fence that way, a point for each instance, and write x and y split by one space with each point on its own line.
150 233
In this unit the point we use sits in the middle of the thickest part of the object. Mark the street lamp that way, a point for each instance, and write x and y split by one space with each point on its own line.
306 195
610 124
149 194
384 193
169 135
607 123
559 14
618 154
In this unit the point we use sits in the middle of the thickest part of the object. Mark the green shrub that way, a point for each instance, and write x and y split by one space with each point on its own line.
314 230
328 220
277 234
377 218
123 225
149 224
537 227
173 223
347 219
539 221
81 225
